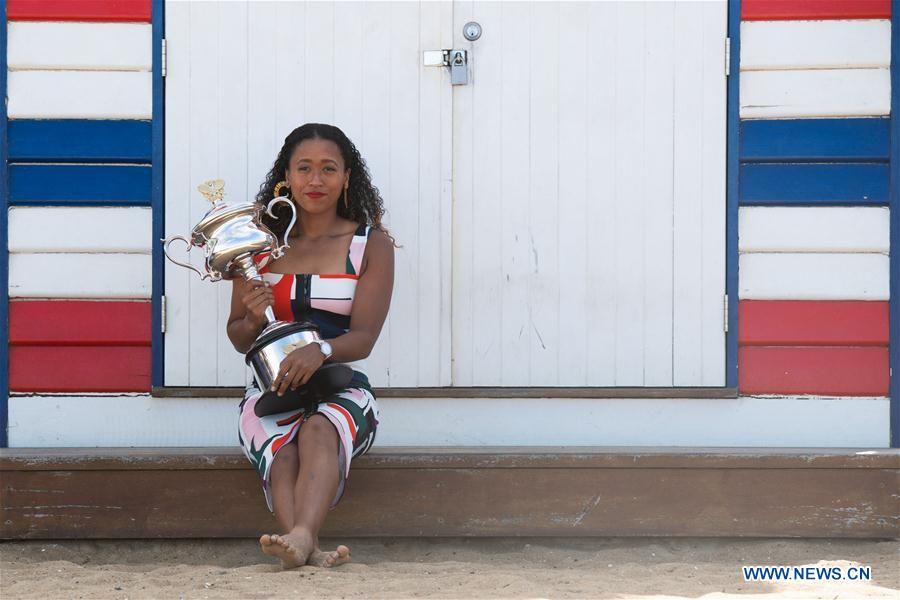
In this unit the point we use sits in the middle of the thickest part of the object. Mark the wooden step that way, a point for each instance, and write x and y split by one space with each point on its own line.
88 493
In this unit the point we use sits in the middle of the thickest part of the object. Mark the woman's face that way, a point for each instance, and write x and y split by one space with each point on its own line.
317 175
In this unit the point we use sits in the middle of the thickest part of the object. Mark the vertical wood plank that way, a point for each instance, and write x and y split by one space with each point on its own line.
319 48
600 320
289 81
464 217
375 146
232 160
712 288
688 181
433 297
446 210
516 181
487 261
205 148
544 204
404 68
349 64
573 194
264 87
658 161
178 192
630 185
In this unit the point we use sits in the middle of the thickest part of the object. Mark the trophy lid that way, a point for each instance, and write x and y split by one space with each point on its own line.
220 212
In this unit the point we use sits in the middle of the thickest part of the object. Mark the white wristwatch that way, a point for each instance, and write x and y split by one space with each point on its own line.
325 348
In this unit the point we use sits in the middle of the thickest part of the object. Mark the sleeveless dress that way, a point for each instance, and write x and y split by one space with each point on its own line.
326 300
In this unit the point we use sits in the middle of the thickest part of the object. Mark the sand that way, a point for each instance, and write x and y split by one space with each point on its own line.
443 568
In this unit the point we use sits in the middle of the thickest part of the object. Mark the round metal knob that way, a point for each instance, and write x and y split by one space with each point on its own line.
472 31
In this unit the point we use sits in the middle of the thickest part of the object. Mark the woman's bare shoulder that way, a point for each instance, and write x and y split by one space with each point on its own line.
379 247
380 241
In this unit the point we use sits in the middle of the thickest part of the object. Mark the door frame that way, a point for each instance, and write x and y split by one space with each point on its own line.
157 197
732 169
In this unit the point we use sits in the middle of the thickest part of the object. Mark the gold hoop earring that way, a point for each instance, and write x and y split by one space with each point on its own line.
346 203
280 186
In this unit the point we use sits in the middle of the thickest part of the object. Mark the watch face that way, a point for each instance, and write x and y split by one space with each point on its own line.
326 348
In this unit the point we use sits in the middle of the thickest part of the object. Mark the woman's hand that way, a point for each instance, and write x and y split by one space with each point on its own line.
257 301
297 367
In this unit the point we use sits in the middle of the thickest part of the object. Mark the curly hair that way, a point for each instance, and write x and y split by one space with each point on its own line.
365 204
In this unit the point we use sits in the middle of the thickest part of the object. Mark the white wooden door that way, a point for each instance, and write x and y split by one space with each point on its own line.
241 76
581 173
589 195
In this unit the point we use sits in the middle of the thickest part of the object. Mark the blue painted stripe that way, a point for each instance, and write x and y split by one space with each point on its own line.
72 140
732 171
843 140
814 184
158 196
79 184
4 245
895 225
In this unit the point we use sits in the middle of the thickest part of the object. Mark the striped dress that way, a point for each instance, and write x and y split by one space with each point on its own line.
325 300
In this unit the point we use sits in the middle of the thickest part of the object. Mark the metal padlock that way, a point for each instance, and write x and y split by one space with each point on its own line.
459 67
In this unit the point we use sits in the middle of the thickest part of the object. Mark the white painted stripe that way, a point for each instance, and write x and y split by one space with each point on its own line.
69 45
767 45
80 95
814 276
80 275
80 229
814 229
764 421
821 93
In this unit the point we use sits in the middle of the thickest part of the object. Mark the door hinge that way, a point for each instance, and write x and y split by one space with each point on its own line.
727 56
162 310
164 57
726 313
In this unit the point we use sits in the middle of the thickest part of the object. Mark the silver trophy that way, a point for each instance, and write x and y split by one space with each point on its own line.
231 235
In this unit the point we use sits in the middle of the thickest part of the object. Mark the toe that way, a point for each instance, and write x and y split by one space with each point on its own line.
337 557
265 540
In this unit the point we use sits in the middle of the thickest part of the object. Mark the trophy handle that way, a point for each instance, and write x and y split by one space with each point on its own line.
279 251
178 262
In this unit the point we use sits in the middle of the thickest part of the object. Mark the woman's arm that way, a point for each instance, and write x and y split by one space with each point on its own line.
370 301
249 300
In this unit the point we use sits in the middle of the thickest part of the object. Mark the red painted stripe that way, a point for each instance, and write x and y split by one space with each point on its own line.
780 10
78 10
79 369
79 323
812 323
831 371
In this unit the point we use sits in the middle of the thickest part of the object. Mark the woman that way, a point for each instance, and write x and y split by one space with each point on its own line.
337 273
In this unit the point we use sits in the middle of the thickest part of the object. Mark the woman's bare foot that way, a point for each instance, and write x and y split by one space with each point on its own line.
339 556
293 549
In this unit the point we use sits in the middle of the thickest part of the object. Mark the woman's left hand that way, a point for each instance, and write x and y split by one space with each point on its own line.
297 367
